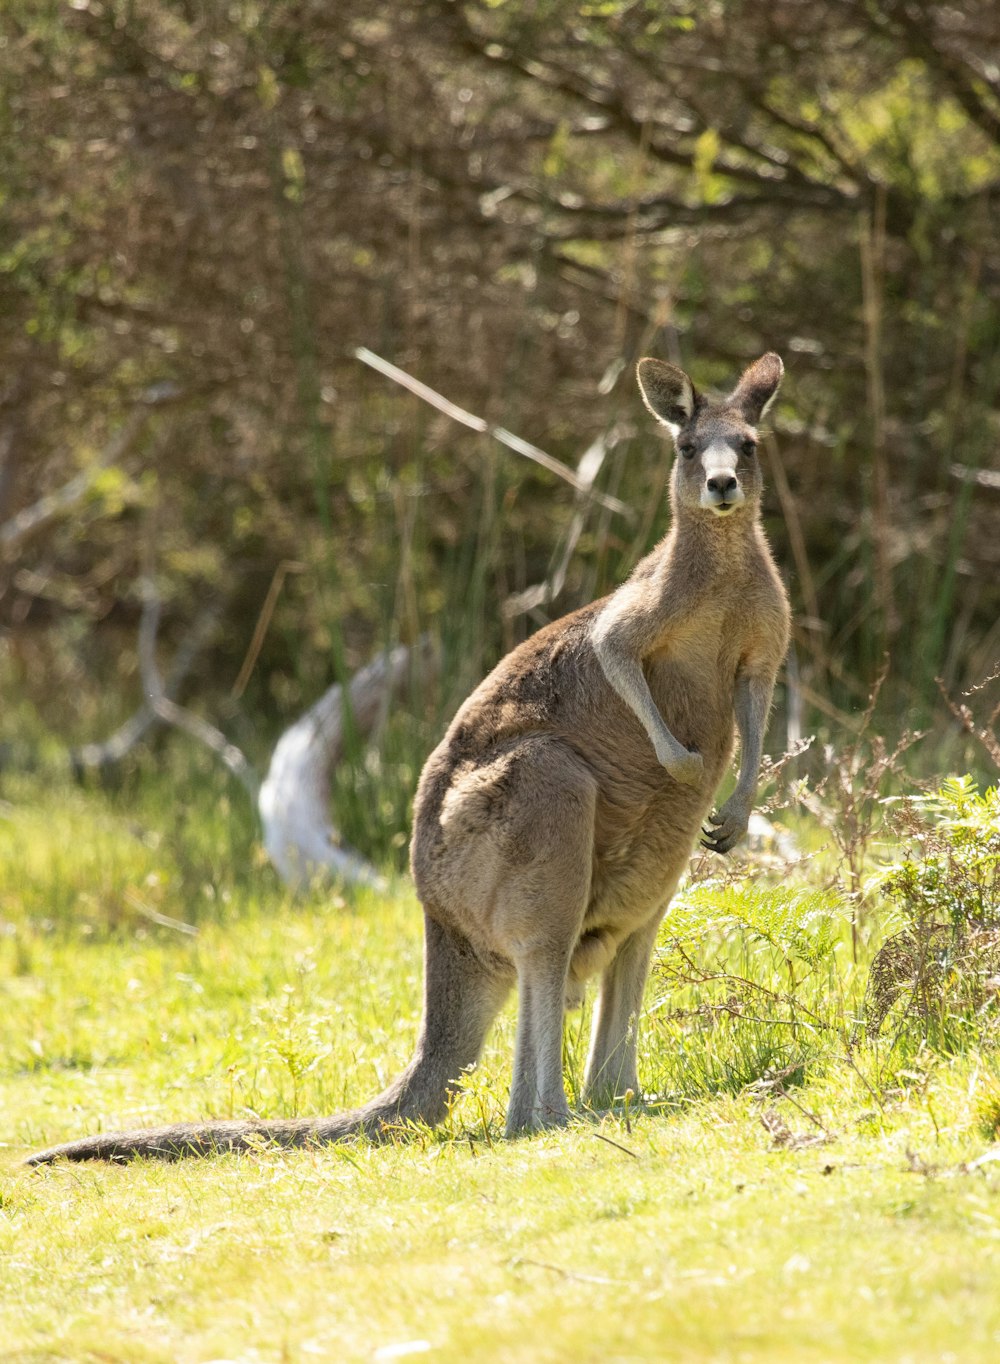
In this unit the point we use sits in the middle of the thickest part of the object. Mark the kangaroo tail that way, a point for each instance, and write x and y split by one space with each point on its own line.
462 995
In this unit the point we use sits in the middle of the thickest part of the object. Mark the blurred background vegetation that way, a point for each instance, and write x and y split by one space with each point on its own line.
205 208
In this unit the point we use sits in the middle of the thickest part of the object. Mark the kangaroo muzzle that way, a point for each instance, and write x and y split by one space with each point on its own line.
721 491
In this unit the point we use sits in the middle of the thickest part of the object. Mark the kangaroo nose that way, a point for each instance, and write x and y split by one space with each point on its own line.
723 484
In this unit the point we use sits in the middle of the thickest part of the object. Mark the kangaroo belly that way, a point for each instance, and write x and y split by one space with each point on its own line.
637 863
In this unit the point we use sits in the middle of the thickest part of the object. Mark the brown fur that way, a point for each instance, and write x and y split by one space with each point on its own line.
555 818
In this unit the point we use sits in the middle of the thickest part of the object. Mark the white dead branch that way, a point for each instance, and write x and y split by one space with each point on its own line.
169 711
577 480
101 757
294 798
30 520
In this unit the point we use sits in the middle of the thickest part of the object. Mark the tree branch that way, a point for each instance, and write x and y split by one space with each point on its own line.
641 130
101 757
299 838
480 424
169 711
29 521
914 25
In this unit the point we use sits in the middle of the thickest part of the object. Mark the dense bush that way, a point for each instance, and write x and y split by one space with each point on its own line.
207 207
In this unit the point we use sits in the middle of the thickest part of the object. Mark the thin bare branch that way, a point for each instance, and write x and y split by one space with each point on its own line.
30 520
480 424
105 755
173 714
263 622
982 732
541 594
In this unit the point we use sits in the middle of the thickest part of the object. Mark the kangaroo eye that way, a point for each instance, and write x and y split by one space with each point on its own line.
686 448
749 447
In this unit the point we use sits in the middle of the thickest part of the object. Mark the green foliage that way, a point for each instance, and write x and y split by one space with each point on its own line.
797 922
988 1103
942 967
706 150
226 200
923 141
748 988
952 874
96 864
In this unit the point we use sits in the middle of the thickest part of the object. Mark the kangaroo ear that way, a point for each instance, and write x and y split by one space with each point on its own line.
667 392
754 393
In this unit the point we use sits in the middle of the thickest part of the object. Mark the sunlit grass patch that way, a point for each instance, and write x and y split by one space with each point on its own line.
787 1191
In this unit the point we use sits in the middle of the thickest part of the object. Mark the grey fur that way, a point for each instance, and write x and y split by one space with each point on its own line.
555 819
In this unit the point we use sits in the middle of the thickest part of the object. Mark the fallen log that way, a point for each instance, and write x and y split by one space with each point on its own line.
294 796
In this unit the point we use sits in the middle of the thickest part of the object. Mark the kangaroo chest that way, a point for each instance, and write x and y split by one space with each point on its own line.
692 675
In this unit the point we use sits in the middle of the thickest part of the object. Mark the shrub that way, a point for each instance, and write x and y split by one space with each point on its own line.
943 965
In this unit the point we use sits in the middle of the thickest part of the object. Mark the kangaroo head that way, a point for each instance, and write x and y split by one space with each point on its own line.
717 470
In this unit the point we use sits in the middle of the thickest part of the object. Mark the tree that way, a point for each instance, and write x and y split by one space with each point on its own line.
511 201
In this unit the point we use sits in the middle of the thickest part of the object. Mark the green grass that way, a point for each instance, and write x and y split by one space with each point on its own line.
860 1231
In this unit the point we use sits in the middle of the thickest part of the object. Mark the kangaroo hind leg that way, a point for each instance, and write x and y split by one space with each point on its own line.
538 1096
463 993
541 911
612 1060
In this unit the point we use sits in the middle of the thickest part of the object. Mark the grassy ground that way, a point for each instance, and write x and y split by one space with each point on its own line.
838 1214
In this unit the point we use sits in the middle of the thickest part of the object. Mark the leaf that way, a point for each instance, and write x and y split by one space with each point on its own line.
797 922
706 150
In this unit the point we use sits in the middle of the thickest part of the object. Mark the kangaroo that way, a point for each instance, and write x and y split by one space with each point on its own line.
556 817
